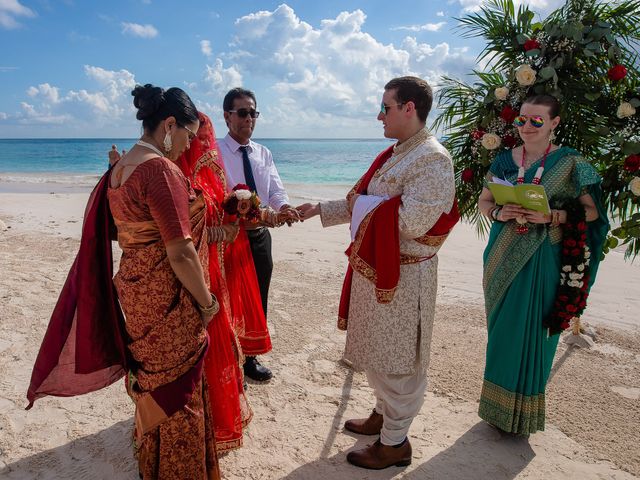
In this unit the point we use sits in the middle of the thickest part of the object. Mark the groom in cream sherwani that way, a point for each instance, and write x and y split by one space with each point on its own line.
400 212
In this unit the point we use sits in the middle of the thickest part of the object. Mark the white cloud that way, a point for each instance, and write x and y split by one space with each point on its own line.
440 14
3 116
137 30
538 6
9 10
106 105
219 79
427 27
329 75
205 47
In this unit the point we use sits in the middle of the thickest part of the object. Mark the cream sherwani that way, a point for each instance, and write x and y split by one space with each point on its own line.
395 338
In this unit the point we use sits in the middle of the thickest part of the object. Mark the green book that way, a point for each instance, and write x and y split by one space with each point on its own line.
527 195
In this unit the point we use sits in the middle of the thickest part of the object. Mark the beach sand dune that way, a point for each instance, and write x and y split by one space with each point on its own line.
593 401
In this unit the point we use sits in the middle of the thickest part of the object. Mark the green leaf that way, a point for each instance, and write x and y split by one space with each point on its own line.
612 242
594 46
592 96
588 53
602 130
532 53
521 39
635 102
547 72
631 148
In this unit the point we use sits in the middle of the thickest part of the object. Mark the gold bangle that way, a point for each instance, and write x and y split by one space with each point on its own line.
212 309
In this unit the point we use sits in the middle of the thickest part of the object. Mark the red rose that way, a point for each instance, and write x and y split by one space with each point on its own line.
508 114
632 163
575 252
565 325
531 45
581 244
467 175
617 73
477 134
563 298
241 186
571 308
582 226
509 141
570 242
565 251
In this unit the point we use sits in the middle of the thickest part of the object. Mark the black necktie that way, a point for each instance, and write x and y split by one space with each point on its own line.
248 173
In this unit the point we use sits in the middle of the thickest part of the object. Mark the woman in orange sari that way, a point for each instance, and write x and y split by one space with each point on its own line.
202 164
163 292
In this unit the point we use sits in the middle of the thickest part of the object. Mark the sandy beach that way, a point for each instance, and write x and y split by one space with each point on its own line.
593 397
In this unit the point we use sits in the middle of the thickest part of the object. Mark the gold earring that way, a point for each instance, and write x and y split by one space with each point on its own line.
167 142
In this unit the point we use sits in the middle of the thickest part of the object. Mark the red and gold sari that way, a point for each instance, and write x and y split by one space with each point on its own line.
202 164
168 342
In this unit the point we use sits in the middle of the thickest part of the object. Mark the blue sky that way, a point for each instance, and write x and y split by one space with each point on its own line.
318 68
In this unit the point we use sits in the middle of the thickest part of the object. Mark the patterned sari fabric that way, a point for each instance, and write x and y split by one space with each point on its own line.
521 276
167 339
231 412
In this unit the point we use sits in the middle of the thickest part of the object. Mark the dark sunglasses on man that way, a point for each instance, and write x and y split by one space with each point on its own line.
244 112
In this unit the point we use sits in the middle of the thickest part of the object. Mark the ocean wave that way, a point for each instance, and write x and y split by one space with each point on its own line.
50 178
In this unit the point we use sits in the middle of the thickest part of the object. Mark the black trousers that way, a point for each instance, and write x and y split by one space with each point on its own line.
260 243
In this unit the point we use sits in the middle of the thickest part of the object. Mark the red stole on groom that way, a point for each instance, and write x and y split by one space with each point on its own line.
375 252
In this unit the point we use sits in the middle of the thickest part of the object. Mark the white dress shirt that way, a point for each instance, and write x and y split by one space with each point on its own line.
268 184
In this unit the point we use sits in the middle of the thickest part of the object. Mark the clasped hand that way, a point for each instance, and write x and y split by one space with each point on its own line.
512 211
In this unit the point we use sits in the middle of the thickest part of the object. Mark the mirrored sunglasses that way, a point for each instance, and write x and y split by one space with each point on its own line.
244 112
384 108
536 120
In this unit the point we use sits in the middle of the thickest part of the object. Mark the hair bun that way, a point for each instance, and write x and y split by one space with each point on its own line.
147 99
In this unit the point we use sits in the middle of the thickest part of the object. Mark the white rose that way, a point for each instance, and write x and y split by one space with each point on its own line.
634 186
566 268
491 141
625 110
243 194
525 75
501 93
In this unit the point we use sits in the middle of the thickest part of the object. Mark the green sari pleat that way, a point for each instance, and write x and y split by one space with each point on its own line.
521 277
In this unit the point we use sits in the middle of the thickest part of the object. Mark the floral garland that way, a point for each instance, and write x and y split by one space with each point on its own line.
572 293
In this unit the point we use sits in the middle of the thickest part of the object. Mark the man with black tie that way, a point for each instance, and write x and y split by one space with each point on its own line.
250 163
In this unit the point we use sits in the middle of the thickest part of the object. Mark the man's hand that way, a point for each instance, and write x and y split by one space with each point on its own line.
308 210
288 215
114 155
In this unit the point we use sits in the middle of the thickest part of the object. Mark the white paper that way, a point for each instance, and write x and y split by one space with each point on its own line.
364 204
502 182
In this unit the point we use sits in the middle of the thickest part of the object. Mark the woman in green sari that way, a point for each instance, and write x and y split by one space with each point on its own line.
522 266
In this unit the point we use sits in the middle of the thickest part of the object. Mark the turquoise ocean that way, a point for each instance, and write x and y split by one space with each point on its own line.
305 165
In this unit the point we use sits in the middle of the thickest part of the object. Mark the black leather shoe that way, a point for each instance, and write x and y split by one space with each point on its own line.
255 371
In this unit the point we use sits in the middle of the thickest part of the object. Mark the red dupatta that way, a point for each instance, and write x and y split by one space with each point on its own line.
375 252
84 348
202 164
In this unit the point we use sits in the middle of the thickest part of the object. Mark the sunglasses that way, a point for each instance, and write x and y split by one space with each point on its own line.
384 108
245 112
191 133
536 121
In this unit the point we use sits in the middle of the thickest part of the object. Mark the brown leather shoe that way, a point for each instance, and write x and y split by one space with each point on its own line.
379 456
365 426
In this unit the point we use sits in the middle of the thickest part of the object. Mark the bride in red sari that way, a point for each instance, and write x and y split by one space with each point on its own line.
202 164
